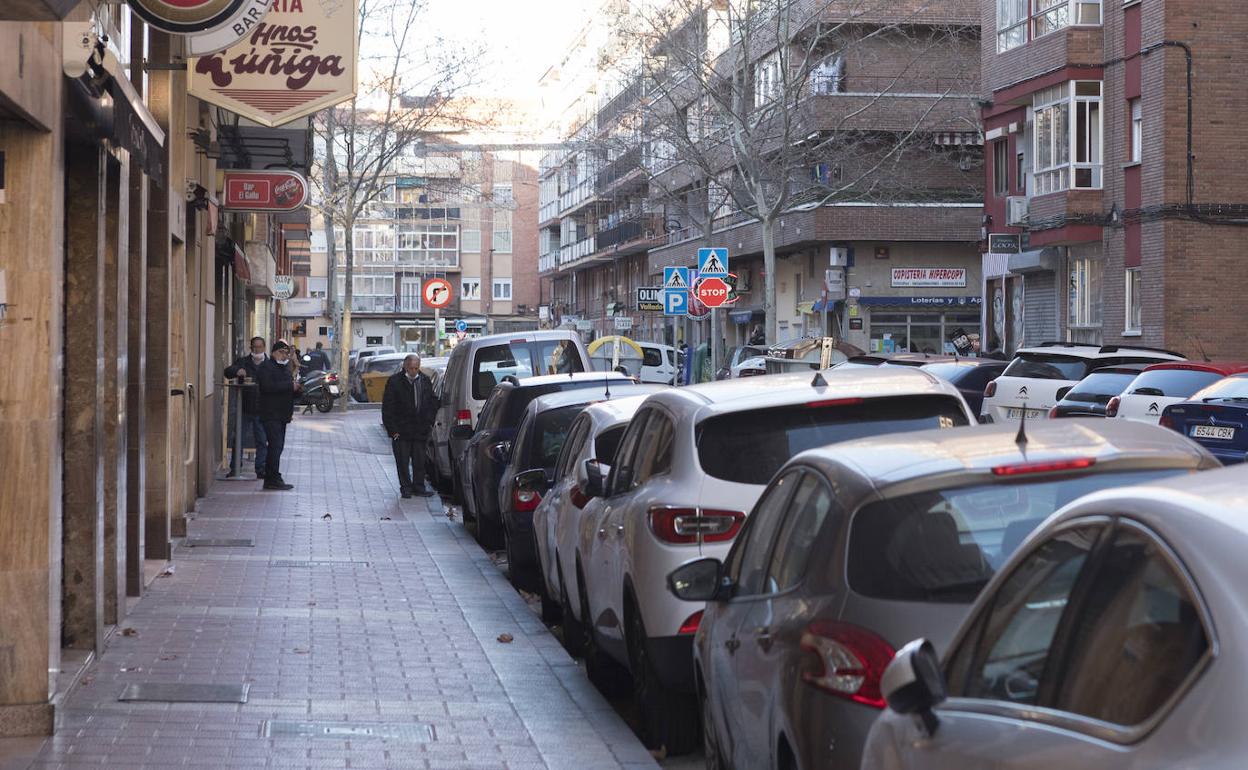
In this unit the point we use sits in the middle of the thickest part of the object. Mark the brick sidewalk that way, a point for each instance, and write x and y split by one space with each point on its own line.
384 618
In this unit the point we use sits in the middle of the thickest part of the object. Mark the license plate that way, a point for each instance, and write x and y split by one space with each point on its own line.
333 390
1213 431
1016 413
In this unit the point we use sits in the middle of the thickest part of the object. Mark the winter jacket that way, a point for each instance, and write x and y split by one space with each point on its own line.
245 366
277 391
398 407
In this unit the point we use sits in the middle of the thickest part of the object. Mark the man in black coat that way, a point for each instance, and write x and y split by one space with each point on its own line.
249 366
278 387
407 410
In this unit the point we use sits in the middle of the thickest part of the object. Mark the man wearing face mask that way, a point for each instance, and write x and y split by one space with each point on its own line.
407 410
248 366
278 387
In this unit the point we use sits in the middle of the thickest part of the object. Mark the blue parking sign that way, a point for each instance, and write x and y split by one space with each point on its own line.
675 301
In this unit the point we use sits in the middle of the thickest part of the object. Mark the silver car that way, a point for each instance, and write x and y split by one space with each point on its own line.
857 547
1111 640
690 465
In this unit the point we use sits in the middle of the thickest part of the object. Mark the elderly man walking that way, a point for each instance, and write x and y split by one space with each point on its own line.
407 411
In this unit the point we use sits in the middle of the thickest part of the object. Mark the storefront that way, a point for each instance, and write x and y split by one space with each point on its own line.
917 324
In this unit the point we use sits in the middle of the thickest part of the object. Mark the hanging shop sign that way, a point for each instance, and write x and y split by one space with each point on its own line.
227 33
183 17
300 59
929 276
283 286
275 190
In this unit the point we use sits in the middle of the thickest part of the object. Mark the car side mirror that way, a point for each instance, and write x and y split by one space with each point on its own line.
591 478
461 432
913 683
500 451
701 580
1061 392
533 480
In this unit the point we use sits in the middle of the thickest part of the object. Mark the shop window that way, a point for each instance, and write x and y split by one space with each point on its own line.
930 332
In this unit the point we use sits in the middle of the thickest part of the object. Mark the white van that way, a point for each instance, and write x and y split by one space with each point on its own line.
658 363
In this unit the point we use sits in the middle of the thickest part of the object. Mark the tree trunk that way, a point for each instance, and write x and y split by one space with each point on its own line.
344 351
769 279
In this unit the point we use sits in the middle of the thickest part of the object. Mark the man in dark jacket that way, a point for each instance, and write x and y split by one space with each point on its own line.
278 386
407 410
248 366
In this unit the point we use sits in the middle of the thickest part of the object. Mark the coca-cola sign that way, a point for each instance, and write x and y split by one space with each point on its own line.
299 59
263 191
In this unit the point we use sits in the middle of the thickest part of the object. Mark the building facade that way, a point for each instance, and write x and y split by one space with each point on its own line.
1108 131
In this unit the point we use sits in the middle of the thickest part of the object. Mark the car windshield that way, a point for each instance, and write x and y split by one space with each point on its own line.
549 433
1100 387
944 545
1228 388
607 442
1047 366
1173 383
749 447
522 359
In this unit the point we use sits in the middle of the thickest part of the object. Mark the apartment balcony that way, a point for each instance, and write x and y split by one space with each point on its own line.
618 104
548 211
632 235
579 193
883 103
574 252
623 167
547 262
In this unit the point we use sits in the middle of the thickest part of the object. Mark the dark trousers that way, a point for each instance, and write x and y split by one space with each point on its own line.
275 432
261 444
409 458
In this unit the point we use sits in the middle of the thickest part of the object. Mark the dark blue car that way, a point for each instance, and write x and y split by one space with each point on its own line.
1216 418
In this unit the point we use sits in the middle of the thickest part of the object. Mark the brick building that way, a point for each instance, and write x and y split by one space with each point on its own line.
1112 234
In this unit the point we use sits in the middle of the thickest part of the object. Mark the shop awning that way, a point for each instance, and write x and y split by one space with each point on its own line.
1035 261
240 264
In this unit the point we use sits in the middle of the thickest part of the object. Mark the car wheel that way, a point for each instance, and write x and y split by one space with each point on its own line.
669 720
710 740
573 629
490 535
552 610
608 676
457 491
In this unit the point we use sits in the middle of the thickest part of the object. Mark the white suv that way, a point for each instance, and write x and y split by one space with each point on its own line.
690 465
1038 377
1161 385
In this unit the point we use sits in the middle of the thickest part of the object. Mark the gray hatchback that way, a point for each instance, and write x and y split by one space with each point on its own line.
856 548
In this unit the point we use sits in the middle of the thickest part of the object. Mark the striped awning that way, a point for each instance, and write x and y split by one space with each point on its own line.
954 138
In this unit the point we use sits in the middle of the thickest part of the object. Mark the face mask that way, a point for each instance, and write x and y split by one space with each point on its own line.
257 357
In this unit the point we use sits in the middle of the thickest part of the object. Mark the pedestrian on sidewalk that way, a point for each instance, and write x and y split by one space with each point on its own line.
279 384
407 411
248 368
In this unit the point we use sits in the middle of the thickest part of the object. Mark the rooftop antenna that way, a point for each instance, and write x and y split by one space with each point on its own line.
1021 437
818 381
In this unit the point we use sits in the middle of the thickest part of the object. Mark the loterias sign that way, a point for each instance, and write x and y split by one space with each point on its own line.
299 59
263 191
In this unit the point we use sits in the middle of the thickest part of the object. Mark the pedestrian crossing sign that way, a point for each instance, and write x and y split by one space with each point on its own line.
676 278
713 262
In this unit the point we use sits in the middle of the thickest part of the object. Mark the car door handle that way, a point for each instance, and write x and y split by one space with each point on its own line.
763 637
732 644
602 533
619 529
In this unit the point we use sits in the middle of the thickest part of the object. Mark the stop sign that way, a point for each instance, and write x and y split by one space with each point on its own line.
713 292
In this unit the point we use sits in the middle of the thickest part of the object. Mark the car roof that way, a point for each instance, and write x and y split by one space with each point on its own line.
969 363
1079 350
1224 368
1119 369
619 392
901 457
529 336
606 414
547 379
737 395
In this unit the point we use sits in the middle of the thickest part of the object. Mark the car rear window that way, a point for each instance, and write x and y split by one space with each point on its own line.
944 545
550 430
1047 366
607 442
1173 383
522 359
749 447
1099 388
1229 388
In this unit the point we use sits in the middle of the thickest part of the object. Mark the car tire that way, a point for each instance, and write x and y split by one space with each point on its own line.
490 535
573 629
552 611
604 672
457 491
711 750
669 720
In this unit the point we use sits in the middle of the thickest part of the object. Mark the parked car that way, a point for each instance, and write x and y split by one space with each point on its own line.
1032 381
1108 641
735 356
750 367
378 368
969 375
808 353
1161 385
857 547
475 366
479 469
531 466
658 365
1091 396
356 356
1216 418
595 434
691 463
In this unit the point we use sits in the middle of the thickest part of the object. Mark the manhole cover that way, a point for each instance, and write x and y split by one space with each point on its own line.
207 542
174 692
410 733
315 563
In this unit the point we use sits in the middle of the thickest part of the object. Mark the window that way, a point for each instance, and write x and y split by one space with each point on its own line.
322 331
1052 15
1137 130
1001 167
547 434
1085 293
810 507
767 79
1011 24
626 455
432 245
1173 383
1134 303
828 76
471 288
747 564
502 289
1067 155
1137 637
1020 172
502 231
655 449
1045 366
1005 654
607 443
470 241
566 465
372 341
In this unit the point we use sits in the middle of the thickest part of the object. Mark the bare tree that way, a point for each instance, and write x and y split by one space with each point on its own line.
738 129
411 87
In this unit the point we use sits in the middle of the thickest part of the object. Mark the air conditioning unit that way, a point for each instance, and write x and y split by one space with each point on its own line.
1016 210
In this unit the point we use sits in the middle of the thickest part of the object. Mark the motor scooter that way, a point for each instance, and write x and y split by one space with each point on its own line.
320 390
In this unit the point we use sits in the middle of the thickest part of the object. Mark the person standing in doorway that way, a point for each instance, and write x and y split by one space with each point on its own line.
248 368
408 408
278 387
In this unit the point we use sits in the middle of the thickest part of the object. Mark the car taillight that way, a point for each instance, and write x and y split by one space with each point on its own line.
463 417
525 500
578 498
834 402
991 390
690 626
849 661
691 525
1052 413
331 378
1111 409
1019 469
1167 421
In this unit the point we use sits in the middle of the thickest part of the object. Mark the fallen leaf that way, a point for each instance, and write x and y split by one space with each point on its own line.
131 668
129 632
327 516
86 681
311 604
167 571
450 514
660 753
506 638
169 657
386 518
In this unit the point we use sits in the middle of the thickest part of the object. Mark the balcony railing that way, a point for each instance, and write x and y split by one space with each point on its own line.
619 168
831 84
574 251
547 262
645 227
620 102
578 194
548 211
